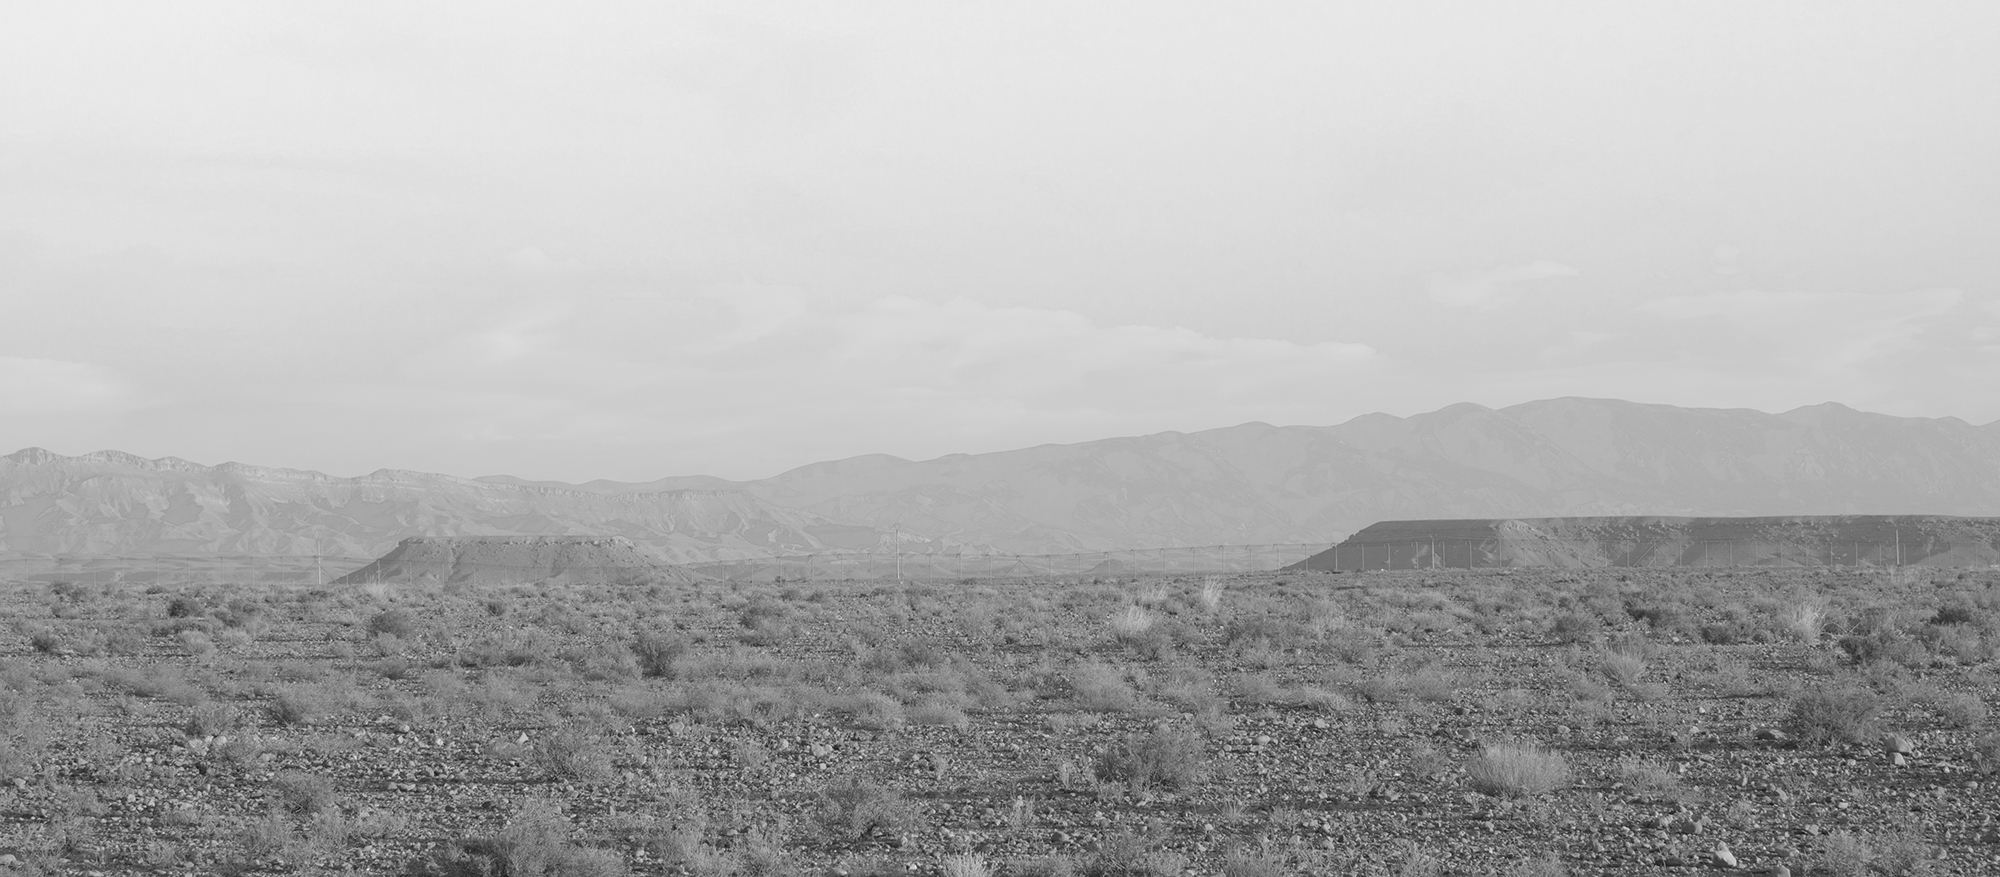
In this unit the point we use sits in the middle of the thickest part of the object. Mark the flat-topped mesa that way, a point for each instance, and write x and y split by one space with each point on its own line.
567 559
1586 542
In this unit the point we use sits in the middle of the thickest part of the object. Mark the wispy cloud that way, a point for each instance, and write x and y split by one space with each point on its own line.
1497 288
30 386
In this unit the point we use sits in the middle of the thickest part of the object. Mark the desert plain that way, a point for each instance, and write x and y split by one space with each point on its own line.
1414 722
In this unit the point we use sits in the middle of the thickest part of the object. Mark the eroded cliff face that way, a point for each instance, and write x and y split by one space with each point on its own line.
1828 540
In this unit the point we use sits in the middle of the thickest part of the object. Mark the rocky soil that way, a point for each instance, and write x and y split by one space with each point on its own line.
1661 722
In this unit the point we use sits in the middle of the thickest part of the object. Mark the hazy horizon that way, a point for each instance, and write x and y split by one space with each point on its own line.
623 242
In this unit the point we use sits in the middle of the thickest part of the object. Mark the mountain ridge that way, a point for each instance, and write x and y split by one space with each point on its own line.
1253 483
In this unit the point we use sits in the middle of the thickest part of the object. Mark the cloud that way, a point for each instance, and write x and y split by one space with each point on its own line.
1497 288
966 347
31 386
1813 330
760 311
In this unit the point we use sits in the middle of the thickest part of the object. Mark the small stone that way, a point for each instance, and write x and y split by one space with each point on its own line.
1722 855
1897 759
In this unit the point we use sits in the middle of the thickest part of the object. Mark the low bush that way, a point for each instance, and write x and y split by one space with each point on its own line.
303 794
393 622
1986 753
534 843
1130 853
185 606
1516 770
210 719
1243 862
1961 710
1164 758
659 652
1850 854
1575 627
856 809
1265 633
570 753
1102 688
301 705
1830 714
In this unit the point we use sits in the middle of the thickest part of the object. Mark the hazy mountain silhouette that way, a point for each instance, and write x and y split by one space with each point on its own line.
1253 483
1257 483
112 503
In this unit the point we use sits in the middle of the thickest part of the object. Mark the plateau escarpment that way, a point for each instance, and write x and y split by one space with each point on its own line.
1829 540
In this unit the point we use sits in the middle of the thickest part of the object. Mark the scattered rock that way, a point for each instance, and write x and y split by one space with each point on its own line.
1722 855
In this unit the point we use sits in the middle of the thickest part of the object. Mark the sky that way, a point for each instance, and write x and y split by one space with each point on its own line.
598 240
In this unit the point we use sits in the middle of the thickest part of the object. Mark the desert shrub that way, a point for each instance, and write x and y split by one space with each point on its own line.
1986 753
601 662
1041 866
393 622
854 809
242 614
1962 642
765 622
185 606
571 753
905 655
1264 633
1516 770
301 705
1210 595
1829 714
1421 683
1164 758
1851 854
1575 627
1885 644
1623 667
659 652
1131 622
965 865
524 648
302 793
1102 688
1244 862
1648 778
534 843
872 710
1130 853
198 645
1961 710
1657 615
210 719
45 640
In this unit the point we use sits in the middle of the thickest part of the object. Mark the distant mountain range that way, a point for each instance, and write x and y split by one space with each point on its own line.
1253 483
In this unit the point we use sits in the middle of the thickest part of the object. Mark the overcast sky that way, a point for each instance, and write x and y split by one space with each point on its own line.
626 241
